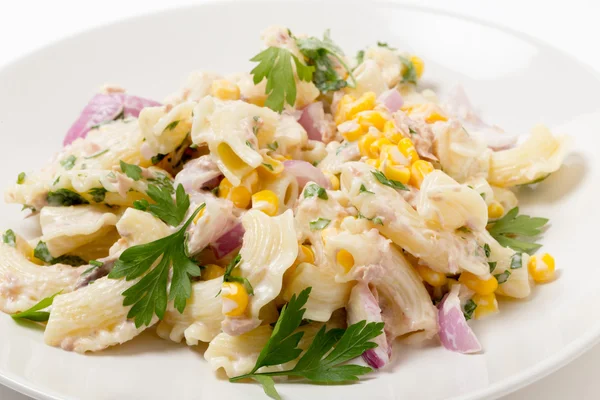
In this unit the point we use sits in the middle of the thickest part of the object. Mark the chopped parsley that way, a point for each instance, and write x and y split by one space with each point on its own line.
363 189
98 194
9 238
388 182
65 198
469 308
97 154
503 277
273 146
319 224
35 313
509 229
132 171
21 178
516 261
69 162
315 190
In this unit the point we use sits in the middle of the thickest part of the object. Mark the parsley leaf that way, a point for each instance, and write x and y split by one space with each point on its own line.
323 360
388 182
41 252
516 261
172 213
275 64
141 205
503 277
363 189
317 53
148 296
65 197
319 224
315 190
94 264
487 250
34 313
9 238
360 58
21 178
69 162
409 72
132 171
157 158
172 125
268 166
163 181
98 194
273 146
492 266
469 308
508 229
229 277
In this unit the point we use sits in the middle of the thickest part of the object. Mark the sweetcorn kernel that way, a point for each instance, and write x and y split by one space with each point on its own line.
430 276
367 119
345 259
495 210
418 171
542 268
266 201
225 90
435 117
374 162
407 148
212 271
235 299
364 145
240 196
364 103
390 132
419 65
306 254
478 285
396 172
351 130
377 146
486 305
199 215
335 181
224 188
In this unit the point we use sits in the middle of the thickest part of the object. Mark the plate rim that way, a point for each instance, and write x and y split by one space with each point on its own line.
496 390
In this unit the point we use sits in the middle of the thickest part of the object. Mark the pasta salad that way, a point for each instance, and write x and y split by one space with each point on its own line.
295 217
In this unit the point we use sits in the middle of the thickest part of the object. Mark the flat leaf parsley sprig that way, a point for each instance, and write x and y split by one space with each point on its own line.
323 361
149 295
509 230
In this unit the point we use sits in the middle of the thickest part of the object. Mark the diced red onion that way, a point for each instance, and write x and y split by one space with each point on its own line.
313 121
391 99
103 108
213 183
229 241
363 305
455 334
306 172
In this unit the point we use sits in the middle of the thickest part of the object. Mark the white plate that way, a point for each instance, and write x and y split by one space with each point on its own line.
516 82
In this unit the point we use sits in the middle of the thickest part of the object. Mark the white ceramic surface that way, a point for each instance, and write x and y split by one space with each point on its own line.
515 81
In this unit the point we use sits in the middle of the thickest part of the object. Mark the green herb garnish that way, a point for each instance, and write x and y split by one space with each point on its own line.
516 261
469 308
503 277
65 198
172 213
69 162
97 154
132 171
9 238
363 189
148 296
324 361
319 224
98 194
388 182
21 178
273 146
409 73
315 190
34 313
508 229
275 65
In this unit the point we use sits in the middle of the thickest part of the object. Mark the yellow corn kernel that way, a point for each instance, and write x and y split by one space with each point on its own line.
364 103
212 271
257 100
240 196
542 268
345 259
224 188
377 146
342 106
364 145
335 181
306 255
435 117
266 201
419 65
495 210
251 181
430 276
407 148
418 171
478 285
390 132
367 119
486 305
396 172
235 299
374 162
199 215
351 130
225 90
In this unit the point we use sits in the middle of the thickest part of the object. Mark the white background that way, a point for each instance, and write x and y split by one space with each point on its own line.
571 26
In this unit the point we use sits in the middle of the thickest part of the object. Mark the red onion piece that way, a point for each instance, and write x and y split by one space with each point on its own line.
229 241
455 334
391 99
306 172
363 305
103 108
313 121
